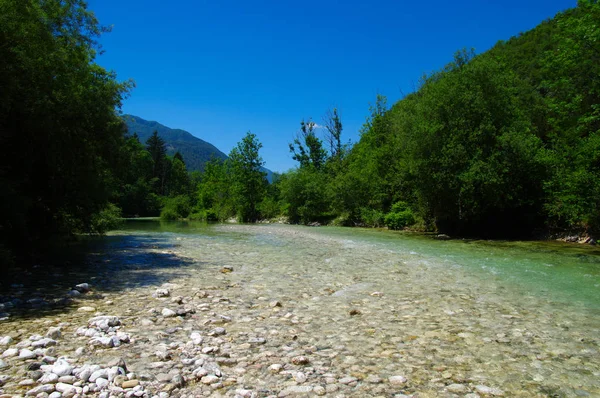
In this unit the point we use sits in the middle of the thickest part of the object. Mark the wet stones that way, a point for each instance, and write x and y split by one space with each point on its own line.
397 380
168 313
300 360
82 287
6 341
160 293
227 269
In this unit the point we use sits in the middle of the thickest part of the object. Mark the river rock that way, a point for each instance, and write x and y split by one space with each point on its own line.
62 368
11 352
489 390
168 313
6 340
300 377
161 293
82 287
397 380
209 379
26 354
300 360
86 309
348 380
49 378
44 388
217 332
130 383
457 388
295 390
44 342
101 382
3 365
100 373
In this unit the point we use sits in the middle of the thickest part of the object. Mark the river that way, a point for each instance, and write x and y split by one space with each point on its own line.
370 312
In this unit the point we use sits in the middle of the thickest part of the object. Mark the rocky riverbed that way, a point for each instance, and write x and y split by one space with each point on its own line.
259 311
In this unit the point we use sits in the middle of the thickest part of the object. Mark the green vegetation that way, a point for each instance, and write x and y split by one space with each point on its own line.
504 143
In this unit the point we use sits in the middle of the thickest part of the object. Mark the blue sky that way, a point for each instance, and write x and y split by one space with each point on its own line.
221 68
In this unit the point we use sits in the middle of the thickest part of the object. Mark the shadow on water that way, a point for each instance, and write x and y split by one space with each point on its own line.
109 264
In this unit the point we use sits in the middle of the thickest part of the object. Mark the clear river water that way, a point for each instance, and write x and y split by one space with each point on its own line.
457 318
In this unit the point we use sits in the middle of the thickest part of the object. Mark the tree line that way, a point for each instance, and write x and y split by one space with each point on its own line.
504 143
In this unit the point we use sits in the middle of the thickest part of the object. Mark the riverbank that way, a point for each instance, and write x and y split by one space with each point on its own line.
235 310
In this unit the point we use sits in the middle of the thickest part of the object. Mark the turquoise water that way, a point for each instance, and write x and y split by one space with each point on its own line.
562 272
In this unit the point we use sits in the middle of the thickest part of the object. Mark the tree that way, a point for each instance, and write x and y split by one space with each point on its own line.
60 129
248 181
307 148
333 124
157 148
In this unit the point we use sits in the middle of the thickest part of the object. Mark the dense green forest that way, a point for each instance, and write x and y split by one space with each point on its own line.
504 143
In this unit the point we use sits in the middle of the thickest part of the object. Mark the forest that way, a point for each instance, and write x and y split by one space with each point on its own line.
504 143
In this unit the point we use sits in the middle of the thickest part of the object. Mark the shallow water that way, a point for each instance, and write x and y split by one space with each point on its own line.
521 318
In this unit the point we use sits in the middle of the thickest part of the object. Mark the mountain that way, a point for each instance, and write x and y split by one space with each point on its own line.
195 152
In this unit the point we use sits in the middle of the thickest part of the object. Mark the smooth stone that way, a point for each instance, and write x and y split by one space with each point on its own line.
27 354
55 394
27 382
62 368
54 333
209 379
319 390
275 368
65 388
6 340
82 287
101 382
489 390
3 365
101 373
300 377
457 388
11 352
293 390
67 379
130 383
49 378
45 388
168 313
397 380
86 309
348 380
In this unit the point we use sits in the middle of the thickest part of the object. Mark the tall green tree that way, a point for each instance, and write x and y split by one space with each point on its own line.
307 148
249 181
58 117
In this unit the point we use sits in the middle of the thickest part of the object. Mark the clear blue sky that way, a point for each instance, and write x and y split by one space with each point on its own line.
221 68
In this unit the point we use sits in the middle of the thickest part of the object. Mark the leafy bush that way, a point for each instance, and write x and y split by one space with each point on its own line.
269 208
106 219
400 216
371 217
176 208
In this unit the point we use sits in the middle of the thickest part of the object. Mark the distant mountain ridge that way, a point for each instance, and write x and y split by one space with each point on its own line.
195 151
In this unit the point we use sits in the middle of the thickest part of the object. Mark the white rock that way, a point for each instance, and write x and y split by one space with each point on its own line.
457 388
397 380
49 378
64 388
300 377
55 394
54 333
348 380
102 382
86 309
11 352
62 368
26 354
45 388
275 368
294 390
103 373
44 342
209 379
3 365
162 293
85 374
6 340
196 338
82 287
168 313
489 390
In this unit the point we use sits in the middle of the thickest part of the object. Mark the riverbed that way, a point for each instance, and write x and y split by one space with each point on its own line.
273 310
